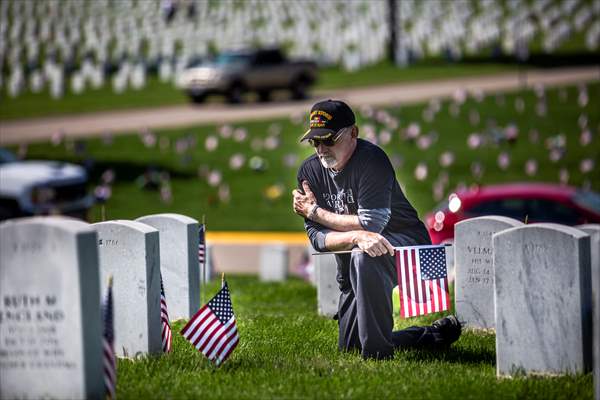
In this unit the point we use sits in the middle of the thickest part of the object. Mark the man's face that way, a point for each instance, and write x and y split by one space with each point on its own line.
339 152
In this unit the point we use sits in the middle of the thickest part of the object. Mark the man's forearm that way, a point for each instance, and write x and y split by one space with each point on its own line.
337 222
371 243
335 241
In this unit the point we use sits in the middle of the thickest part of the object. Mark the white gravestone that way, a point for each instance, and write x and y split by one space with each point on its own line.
543 300
50 322
328 291
474 280
129 251
450 264
273 262
179 266
594 231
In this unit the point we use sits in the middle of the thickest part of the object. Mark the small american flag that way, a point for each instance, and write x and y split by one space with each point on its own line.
201 246
108 351
212 330
422 280
164 320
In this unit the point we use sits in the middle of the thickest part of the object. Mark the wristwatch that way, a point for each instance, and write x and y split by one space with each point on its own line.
312 211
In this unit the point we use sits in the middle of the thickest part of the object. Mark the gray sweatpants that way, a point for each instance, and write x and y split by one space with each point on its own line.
365 307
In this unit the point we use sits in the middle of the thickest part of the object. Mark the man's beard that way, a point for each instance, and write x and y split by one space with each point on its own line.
328 161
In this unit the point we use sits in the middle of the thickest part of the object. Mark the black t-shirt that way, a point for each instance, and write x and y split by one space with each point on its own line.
366 187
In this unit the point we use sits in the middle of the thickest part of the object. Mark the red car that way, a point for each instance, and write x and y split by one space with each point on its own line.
538 202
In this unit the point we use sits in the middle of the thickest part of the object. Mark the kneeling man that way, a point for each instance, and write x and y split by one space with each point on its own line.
349 197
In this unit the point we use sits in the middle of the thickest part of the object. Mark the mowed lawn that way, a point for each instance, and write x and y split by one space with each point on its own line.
287 351
157 93
198 164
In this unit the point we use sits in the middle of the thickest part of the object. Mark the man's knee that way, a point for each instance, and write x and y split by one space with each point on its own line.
363 260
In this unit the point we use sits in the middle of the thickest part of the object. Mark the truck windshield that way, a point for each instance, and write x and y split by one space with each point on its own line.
230 59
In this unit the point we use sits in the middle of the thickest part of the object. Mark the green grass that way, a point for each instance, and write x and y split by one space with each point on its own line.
29 105
287 351
250 208
156 93
385 73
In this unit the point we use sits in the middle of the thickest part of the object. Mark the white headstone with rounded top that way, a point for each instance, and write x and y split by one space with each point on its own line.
50 322
179 264
474 269
543 300
594 231
129 251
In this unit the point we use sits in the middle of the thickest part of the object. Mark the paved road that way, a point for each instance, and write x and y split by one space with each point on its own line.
91 124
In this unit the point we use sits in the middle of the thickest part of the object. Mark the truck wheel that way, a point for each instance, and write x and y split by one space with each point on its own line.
235 93
264 96
299 89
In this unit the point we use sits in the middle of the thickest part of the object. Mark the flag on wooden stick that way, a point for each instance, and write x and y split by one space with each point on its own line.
422 280
213 330
201 246
166 334
109 359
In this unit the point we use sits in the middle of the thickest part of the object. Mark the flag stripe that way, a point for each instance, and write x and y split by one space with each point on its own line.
413 270
208 332
436 296
109 359
201 246
215 339
418 282
427 287
446 304
207 322
229 331
228 349
193 324
400 274
411 293
164 320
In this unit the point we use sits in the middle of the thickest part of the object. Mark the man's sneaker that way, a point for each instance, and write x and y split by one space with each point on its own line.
449 327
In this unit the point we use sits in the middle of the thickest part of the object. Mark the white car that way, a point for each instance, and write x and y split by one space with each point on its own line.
41 188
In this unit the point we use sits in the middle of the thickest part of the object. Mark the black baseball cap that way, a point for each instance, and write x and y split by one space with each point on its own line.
327 118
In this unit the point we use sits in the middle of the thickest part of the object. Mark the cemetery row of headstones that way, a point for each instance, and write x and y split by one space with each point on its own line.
41 40
53 273
533 283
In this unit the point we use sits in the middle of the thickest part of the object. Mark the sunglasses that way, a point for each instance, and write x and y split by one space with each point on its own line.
330 141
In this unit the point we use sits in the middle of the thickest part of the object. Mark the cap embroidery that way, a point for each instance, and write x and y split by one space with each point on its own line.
317 122
323 113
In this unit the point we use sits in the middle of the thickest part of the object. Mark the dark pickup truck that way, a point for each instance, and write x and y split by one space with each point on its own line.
234 73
